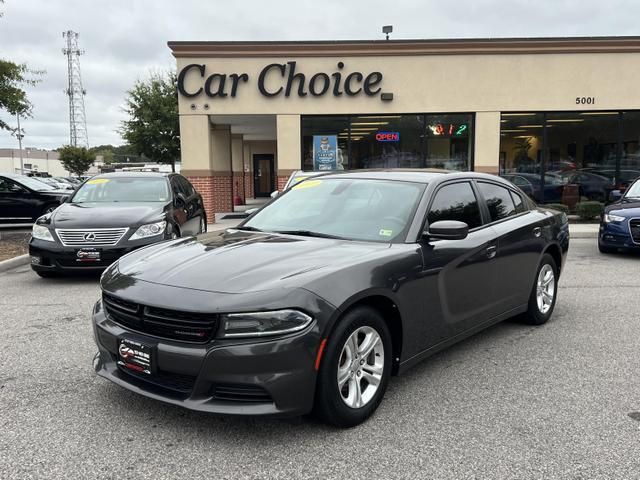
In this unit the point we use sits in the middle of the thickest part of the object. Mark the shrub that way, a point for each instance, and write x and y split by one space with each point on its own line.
558 206
589 210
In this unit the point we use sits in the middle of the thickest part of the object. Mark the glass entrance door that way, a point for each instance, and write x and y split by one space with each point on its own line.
263 175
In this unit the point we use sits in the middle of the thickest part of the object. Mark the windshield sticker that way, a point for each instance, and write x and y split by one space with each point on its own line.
384 232
97 181
307 184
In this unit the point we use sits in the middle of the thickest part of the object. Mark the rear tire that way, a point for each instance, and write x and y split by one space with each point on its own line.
543 296
203 224
359 350
605 249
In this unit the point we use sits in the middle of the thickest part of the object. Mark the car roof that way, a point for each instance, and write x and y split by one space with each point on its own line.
132 174
422 175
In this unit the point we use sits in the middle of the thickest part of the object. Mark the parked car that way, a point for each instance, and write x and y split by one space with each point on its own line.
318 298
620 224
591 185
55 183
111 215
531 184
23 199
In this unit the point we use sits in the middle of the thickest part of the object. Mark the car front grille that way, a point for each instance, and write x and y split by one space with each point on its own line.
171 324
99 237
634 226
167 380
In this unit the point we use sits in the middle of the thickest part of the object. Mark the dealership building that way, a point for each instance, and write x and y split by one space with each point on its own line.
558 116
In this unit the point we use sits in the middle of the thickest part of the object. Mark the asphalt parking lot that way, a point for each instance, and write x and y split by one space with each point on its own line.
558 401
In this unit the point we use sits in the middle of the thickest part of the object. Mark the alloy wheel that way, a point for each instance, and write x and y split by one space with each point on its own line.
360 367
545 288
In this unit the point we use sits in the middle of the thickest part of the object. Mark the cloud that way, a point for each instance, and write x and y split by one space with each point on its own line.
126 39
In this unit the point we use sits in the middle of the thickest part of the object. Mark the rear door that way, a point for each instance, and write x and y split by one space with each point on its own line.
16 202
458 274
519 244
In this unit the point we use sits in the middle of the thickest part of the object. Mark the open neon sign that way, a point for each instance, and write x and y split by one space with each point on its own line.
448 129
388 136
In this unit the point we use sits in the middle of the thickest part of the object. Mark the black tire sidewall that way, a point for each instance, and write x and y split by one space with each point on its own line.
329 404
534 315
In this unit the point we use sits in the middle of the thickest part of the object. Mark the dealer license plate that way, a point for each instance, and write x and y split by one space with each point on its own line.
135 356
88 255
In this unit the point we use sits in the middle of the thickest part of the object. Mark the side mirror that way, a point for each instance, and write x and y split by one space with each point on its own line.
447 230
615 195
275 193
179 200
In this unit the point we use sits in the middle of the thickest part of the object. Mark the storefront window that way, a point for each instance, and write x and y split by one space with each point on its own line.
572 156
387 141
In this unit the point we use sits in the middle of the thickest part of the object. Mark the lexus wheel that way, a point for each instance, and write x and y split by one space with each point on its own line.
543 296
355 369
203 224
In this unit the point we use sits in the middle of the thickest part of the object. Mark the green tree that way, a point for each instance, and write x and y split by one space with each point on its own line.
13 99
76 160
152 129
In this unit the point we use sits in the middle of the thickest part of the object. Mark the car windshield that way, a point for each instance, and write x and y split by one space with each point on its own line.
123 189
353 209
633 191
34 184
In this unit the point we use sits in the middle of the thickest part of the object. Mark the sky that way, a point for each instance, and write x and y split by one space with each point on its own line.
126 40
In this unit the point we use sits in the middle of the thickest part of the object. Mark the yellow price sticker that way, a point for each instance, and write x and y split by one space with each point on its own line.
97 181
307 184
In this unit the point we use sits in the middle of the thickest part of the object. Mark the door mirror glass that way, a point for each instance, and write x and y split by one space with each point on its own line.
447 230
615 195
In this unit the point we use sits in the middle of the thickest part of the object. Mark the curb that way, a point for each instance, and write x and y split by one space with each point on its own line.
14 262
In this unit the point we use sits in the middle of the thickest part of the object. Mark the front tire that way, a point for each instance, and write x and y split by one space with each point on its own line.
604 249
545 290
355 369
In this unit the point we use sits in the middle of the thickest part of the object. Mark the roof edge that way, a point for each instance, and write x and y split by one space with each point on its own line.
466 46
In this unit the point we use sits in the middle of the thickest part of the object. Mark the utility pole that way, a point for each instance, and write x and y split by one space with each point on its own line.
20 135
77 120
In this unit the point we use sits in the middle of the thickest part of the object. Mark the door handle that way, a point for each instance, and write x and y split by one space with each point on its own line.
537 231
491 251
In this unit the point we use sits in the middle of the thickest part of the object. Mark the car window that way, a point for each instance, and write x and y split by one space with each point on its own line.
7 186
456 202
185 186
521 181
519 203
498 200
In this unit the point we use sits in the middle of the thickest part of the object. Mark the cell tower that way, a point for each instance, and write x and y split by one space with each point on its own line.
77 120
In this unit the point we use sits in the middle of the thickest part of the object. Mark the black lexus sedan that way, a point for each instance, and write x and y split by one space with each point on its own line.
23 199
113 214
314 301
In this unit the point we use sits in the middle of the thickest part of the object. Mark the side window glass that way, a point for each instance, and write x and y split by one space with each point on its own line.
498 200
519 203
456 202
187 188
175 187
4 186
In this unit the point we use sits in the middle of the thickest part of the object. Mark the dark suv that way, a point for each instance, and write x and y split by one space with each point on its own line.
113 214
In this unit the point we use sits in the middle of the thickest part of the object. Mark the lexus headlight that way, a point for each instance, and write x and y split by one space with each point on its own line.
263 324
149 230
41 233
608 217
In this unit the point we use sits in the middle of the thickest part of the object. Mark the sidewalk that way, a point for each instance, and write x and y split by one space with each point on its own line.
584 230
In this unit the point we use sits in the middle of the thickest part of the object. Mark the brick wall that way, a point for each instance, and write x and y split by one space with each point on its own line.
282 180
238 187
248 184
216 193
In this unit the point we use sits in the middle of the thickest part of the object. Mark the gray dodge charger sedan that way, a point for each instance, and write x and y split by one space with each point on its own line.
317 299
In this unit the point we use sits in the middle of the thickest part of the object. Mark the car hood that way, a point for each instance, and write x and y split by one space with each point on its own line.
239 262
106 215
626 208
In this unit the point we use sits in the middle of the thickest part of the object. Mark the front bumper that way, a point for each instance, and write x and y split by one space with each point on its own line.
617 235
55 257
273 377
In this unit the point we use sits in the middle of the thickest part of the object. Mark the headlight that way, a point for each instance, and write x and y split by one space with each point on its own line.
149 230
263 324
42 233
608 217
